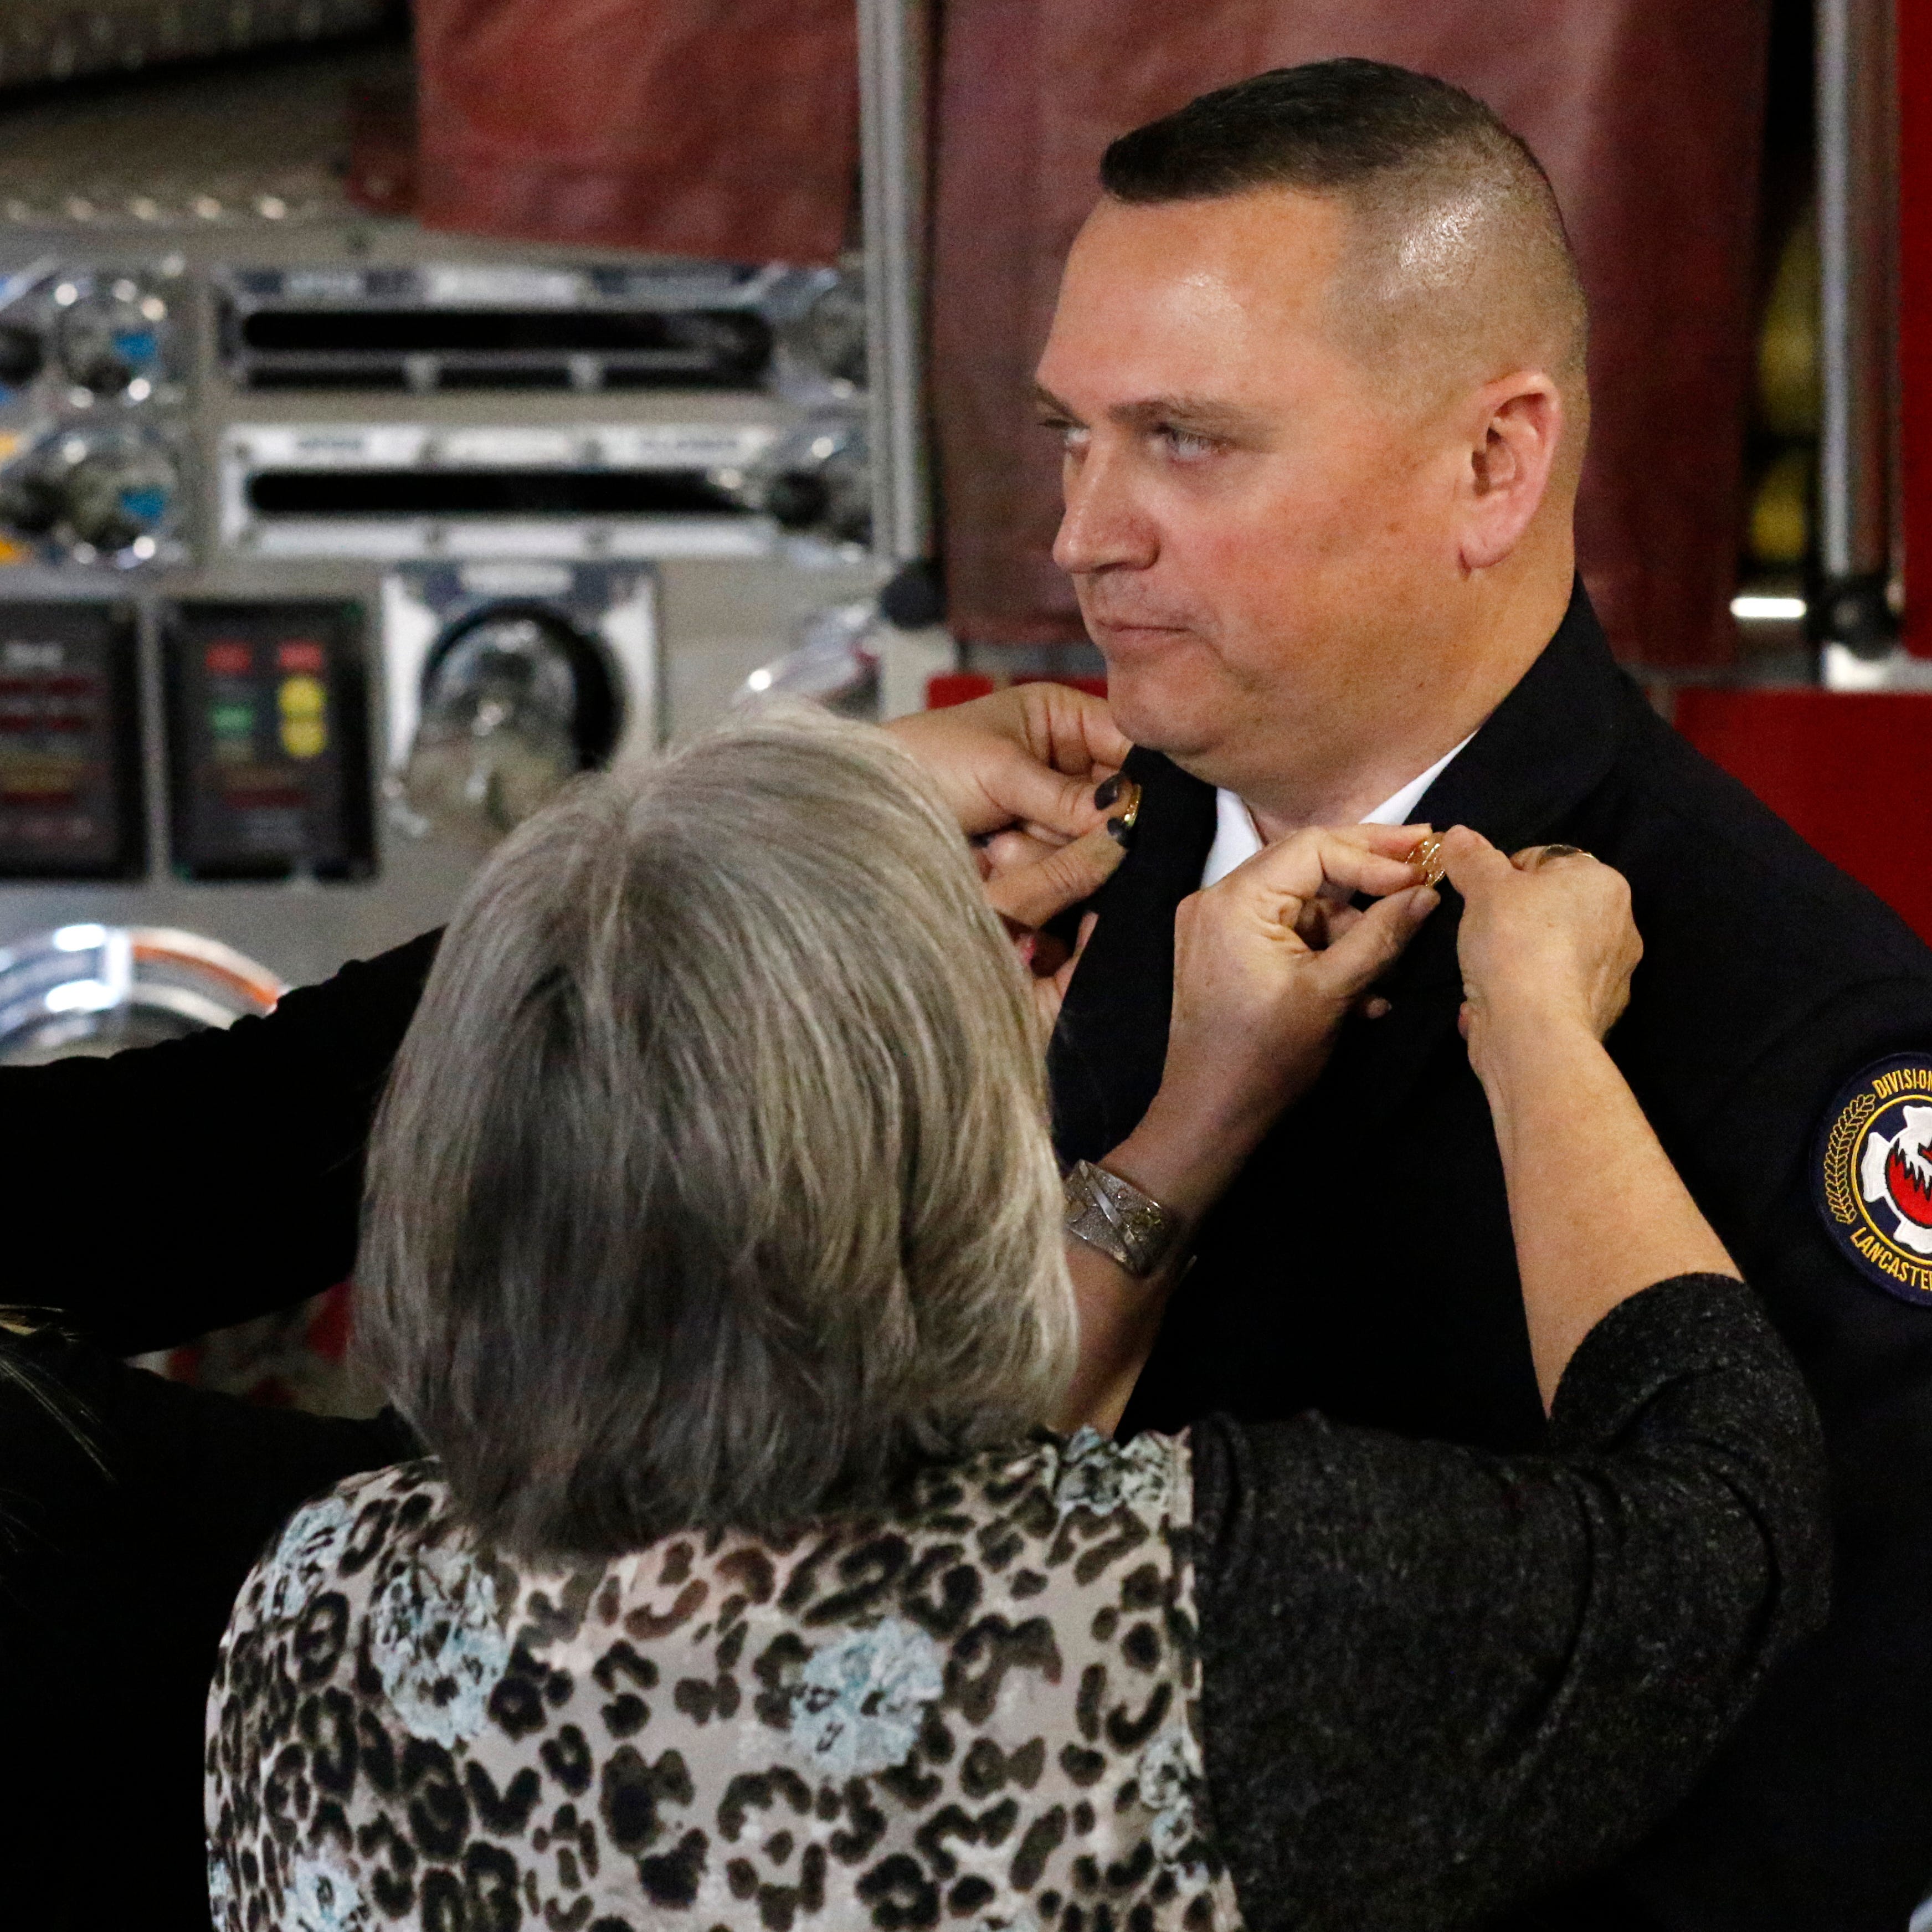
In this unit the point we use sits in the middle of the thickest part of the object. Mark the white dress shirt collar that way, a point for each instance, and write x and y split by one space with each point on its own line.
1236 838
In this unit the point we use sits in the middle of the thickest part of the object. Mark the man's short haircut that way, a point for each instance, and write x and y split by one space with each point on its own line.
1449 203
712 1186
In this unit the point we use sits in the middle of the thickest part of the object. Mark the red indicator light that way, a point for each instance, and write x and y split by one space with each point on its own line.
229 658
301 654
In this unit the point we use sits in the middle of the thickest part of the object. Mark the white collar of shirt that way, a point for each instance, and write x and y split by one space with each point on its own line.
1236 838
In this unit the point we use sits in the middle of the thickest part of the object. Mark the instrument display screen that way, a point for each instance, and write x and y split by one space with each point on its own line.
269 741
71 797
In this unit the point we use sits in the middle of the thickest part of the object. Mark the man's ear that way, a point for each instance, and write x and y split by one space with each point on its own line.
1517 424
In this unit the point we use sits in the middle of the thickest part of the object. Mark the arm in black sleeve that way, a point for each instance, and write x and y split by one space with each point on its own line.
131 1510
178 1188
1436 1680
1818 1811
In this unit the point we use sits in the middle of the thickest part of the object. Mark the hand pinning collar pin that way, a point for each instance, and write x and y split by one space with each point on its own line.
1427 856
1124 795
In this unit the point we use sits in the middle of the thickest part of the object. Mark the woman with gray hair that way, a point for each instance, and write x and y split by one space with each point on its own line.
715 1249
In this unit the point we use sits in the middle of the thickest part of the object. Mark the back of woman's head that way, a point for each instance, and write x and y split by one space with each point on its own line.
712 1186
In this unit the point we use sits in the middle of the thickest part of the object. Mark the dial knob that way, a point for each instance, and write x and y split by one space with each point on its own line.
109 342
118 493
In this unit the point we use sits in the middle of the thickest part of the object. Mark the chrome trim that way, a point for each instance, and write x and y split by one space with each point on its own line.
894 61
1857 229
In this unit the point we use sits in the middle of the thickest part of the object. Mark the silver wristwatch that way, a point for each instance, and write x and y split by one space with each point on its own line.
1114 1216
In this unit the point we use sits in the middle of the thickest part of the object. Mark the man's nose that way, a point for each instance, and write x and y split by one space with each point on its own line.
1103 526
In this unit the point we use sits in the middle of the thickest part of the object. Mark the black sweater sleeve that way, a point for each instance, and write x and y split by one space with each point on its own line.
1435 1681
130 1510
175 1189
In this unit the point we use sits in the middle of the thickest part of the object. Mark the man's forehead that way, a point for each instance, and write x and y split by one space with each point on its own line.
1276 241
1197 300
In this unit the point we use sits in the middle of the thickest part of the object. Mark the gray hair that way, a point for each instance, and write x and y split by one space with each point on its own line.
712 1185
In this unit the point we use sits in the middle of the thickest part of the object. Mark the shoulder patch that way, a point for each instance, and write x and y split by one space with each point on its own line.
1872 1174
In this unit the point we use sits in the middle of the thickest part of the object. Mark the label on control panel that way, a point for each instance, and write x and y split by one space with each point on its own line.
268 714
70 790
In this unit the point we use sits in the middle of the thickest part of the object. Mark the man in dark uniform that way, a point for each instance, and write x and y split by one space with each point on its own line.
1318 367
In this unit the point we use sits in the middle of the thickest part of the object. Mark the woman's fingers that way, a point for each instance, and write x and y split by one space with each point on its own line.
1470 861
1031 894
1356 958
1072 730
1335 862
1031 755
1545 937
1010 851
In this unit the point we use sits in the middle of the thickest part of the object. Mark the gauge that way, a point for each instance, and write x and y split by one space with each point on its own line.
515 701
118 492
94 494
113 341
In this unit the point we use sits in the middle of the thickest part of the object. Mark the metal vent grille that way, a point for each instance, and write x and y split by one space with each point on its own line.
43 41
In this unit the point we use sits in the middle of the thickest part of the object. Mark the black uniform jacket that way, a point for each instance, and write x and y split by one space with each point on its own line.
1363 1264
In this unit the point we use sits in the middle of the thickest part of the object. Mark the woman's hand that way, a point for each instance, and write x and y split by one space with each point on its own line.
1548 946
1267 964
1028 757
1026 772
1547 940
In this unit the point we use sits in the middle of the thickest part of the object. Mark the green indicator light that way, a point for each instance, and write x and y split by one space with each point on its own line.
232 720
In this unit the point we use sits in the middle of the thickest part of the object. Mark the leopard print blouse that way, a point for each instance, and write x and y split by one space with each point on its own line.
980 1712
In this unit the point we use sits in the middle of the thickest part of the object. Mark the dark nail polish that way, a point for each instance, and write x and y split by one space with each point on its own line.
1120 831
1106 794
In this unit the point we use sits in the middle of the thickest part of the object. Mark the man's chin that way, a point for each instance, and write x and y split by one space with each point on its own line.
1160 713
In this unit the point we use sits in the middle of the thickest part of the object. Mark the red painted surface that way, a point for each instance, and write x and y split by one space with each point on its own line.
1850 772
329 1326
956 687
1915 306
1094 687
